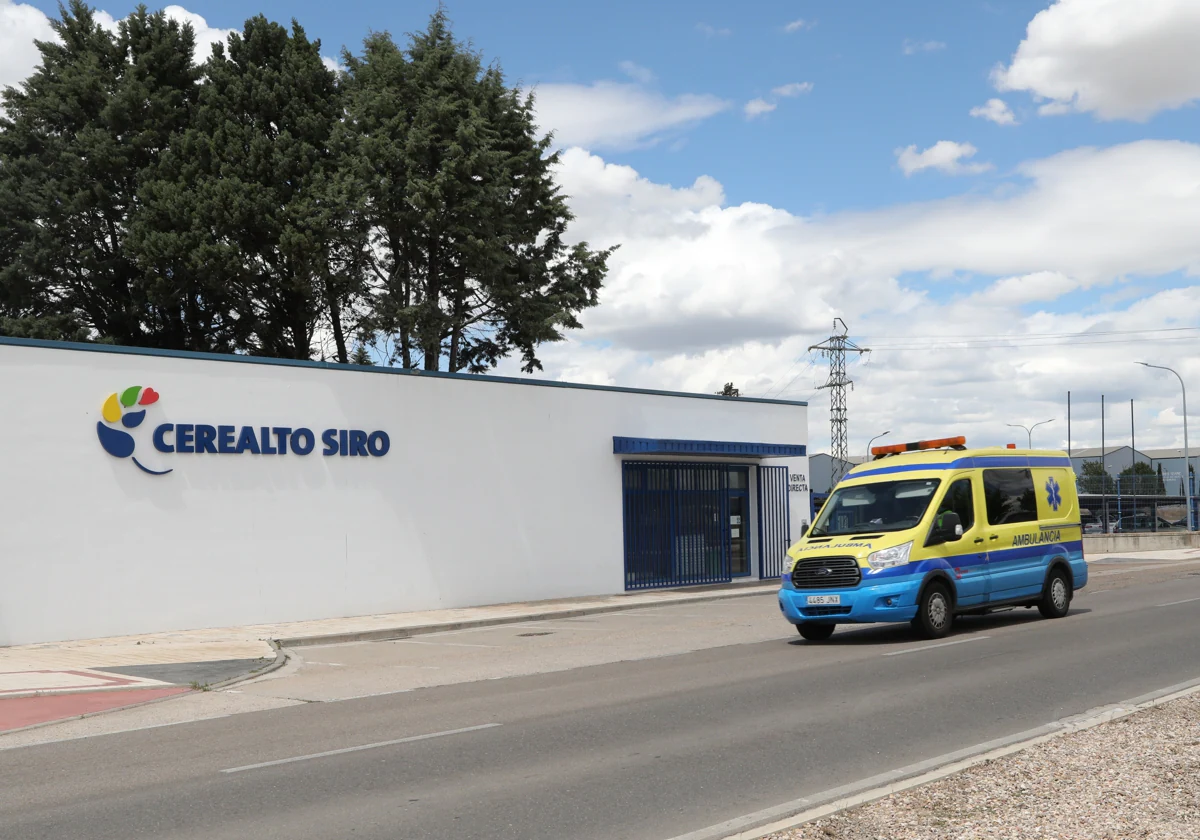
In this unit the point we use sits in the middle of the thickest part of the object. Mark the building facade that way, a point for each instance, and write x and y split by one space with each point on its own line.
147 491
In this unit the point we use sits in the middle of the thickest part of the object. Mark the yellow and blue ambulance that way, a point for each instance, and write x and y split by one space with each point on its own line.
930 530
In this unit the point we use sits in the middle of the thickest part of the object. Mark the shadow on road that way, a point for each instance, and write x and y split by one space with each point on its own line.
903 633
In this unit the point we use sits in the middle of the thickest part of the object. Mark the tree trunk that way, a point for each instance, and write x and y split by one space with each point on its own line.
335 318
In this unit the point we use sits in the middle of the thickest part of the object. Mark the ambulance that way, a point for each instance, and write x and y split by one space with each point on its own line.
931 530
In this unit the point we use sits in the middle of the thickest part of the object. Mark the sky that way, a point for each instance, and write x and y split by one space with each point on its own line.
1000 199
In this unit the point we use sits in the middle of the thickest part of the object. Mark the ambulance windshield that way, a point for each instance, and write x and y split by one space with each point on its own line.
885 506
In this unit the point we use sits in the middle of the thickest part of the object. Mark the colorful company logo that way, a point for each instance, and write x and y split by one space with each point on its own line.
125 410
1053 494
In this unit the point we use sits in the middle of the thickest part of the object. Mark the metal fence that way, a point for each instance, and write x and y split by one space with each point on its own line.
1134 514
675 524
774 521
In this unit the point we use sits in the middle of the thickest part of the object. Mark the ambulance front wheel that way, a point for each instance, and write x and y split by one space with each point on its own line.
816 632
935 615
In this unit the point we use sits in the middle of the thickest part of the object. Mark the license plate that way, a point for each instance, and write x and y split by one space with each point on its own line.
820 600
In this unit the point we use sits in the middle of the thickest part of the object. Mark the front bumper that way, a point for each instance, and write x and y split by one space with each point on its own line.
894 599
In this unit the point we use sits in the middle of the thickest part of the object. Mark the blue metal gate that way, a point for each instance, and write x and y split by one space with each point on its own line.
774 521
676 531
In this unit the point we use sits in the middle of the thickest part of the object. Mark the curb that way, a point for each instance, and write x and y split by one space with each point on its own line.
275 664
393 633
278 662
789 815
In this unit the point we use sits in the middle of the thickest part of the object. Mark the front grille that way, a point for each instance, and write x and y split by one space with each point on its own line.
826 573
817 612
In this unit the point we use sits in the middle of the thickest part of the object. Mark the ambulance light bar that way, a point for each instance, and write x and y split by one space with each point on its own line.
941 443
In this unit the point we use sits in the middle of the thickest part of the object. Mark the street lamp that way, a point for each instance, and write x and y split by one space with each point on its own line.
877 437
1187 459
1029 429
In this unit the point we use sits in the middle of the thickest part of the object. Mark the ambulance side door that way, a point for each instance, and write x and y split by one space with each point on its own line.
967 556
1014 562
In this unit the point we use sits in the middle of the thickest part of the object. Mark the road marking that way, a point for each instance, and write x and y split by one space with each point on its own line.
939 645
376 745
1173 603
443 644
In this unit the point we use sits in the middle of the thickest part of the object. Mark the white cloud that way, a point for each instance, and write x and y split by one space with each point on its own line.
912 47
944 156
331 64
1028 288
637 72
1118 59
713 31
793 89
20 25
995 110
797 25
616 115
206 35
758 107
701 294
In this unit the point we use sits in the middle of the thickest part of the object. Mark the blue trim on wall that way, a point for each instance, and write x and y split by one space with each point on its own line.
973 462
705 448
425 374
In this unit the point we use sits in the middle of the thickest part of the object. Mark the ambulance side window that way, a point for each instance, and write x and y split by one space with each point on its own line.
958 499
1010 496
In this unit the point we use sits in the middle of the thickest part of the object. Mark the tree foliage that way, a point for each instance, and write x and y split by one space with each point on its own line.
262 203
75 141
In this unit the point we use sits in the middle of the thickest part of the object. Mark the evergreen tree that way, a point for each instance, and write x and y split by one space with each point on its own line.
465 224
239 201
76 140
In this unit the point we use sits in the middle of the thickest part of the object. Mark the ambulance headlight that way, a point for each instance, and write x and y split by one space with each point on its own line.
886 558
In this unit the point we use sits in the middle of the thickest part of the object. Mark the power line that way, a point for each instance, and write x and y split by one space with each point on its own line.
1049 335
967 344
808 367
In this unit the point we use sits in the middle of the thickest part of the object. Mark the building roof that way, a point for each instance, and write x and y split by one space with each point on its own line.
377 369
1094 451
1150 454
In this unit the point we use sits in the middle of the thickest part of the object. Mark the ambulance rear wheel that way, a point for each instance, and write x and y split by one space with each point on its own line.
1056 600
816 632
935 615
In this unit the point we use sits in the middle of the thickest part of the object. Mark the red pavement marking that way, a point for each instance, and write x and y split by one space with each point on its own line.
90 678
16 712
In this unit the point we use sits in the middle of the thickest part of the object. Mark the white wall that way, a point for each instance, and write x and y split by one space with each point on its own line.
491 492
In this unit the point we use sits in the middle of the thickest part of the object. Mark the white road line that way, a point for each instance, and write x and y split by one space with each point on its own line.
345 750
939 645
1173 603
444 644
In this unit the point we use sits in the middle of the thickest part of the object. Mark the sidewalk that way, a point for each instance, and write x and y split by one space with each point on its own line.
49 682
55 681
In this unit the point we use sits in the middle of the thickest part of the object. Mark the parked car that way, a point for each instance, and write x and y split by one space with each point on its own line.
1092 524
1143 522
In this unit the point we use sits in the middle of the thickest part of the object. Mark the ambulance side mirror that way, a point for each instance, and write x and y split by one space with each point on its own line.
947 528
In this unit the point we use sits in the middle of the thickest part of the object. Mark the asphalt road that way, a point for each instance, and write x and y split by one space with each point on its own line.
647 749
